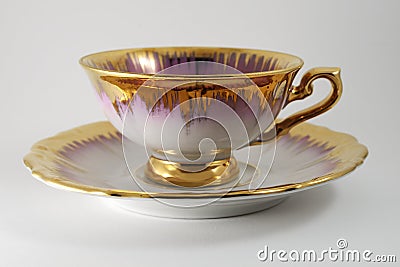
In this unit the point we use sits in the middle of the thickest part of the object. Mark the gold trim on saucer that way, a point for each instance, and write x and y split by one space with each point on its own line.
42 159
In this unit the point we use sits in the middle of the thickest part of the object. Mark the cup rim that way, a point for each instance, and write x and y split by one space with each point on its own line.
295 66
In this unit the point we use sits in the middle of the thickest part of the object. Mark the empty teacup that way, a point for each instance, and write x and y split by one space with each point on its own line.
192 106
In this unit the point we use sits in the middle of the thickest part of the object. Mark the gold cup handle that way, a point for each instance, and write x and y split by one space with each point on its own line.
303 90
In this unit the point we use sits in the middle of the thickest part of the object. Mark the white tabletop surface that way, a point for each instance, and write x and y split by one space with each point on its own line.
44 91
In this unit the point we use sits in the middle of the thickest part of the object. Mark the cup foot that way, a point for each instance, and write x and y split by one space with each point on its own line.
191 175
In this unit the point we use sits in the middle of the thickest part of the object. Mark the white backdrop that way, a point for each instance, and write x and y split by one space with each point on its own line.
44 91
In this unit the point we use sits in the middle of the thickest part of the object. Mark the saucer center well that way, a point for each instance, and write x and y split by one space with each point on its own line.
246 173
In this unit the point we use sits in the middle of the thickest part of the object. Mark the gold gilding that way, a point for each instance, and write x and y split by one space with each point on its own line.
42 160
212 173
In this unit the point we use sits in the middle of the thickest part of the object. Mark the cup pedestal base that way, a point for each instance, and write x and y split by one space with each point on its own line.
192 175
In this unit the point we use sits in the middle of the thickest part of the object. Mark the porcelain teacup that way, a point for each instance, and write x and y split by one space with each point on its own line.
192 106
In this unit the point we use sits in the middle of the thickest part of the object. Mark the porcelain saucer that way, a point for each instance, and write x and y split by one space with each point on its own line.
90 159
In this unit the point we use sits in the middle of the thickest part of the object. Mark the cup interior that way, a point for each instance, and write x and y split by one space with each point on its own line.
148 61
